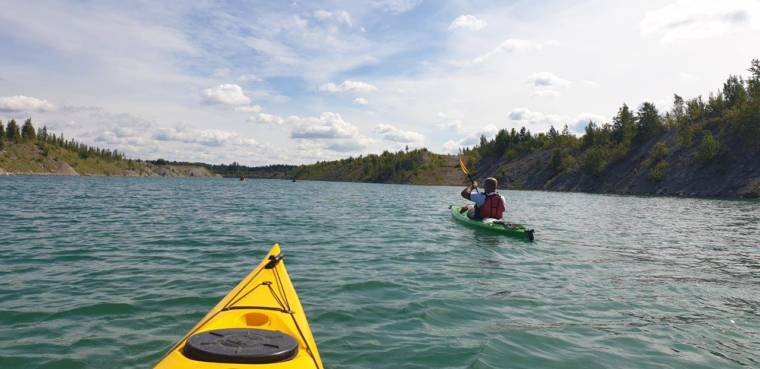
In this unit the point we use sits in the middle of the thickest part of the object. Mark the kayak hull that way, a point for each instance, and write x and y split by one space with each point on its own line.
263 300
511 230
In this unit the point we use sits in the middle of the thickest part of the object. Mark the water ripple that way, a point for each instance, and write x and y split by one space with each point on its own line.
109 272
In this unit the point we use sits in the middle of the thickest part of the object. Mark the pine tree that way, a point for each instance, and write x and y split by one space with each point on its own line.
27 131
679 108
2 131
12 133
623 126
753 84
734 92
553 134
648 121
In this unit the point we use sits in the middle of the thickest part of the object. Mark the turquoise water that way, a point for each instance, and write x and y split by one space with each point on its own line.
109 272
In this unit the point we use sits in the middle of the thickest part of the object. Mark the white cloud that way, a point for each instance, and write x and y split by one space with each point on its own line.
454 124
396 6
361 101
448 122
467 21
509 46
546 83
539 121
696 19
346 145
451 147
276 51
338 16
205 137
221 72
582 120
489 131
226 94
393 134
527 117
26 104
348 86
249 77
327 126
264 118
547 79
249 109
146 139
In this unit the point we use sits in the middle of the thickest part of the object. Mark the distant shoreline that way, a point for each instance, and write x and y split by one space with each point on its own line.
624 194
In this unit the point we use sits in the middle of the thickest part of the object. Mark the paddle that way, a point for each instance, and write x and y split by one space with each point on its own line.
467 173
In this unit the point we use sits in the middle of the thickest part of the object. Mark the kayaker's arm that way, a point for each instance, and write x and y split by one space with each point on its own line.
466 192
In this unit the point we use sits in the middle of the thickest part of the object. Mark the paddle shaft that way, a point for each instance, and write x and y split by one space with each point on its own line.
467 173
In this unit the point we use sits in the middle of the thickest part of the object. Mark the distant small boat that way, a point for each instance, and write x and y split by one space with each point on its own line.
242 178
294 179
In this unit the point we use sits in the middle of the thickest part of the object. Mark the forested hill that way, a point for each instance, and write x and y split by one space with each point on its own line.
418 166
700 147
25 150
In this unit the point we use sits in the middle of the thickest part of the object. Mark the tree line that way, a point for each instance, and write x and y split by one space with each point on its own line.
12 133
731 114
386 167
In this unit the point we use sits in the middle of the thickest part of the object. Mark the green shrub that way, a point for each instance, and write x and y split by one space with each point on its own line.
657 173
596 160
709 147
746 123
619 152
511 154
685 134
657 153
568 163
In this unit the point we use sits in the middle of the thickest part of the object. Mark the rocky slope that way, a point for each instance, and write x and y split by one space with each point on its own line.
732 173
30 159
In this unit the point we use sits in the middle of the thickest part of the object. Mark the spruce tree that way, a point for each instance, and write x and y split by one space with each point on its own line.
753 84
623 126
553 134
648 121
27 131
12 132
734 92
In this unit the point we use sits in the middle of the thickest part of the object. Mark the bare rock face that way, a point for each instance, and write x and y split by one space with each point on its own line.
751 190
3 172
64 169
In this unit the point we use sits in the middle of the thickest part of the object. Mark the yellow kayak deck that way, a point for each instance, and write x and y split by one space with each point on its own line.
264 300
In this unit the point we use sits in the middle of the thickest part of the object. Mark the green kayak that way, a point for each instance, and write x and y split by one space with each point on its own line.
507 229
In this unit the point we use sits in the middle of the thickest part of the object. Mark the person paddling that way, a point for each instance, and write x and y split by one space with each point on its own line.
488 204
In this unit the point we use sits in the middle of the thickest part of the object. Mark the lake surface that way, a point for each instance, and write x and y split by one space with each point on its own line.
110 272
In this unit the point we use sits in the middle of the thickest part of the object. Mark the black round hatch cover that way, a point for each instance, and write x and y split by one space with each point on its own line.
241 345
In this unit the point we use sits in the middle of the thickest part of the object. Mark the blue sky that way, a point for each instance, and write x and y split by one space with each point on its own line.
295 82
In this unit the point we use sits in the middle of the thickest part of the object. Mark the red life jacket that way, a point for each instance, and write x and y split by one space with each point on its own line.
493 207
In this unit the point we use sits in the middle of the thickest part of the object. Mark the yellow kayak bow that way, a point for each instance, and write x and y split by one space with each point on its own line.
259 324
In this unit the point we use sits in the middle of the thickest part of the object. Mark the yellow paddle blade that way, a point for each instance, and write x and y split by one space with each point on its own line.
463 167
